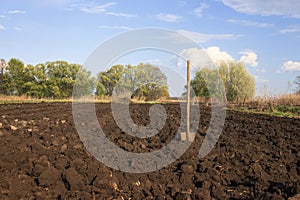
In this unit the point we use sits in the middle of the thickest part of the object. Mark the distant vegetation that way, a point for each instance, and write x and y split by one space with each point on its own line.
239 85
56 80
145 82
49 80
297 82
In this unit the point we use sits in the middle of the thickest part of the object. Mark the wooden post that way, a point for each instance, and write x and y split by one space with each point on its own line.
188 95
188 135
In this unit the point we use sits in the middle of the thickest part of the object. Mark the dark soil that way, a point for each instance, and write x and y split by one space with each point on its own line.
42 157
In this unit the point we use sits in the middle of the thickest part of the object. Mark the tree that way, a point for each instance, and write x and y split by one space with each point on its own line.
52 79
239 85
199 85
15 77
109 79
3 65
297 82
148 82
143 81
85 84
61 78
150 92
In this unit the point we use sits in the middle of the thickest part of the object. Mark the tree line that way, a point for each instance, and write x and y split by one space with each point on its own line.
48 80
57 79
143 81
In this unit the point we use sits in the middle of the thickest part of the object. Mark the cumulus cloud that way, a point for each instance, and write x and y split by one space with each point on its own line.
199 10
217 56
204 57
290 66
168 17
195 55
249 58
289 8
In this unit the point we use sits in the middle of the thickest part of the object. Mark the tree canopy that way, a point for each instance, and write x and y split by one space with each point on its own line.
49 80
143 81
239 85
57 80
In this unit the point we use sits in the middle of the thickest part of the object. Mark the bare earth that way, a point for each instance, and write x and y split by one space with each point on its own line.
42 157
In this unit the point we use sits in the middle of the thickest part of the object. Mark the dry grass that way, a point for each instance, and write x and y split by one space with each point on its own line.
27 99
283 105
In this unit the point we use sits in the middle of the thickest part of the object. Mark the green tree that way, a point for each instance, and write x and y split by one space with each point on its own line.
239 85
61 78
206 83
198 84
143 81
37 86
52 79
150 92
85 84
109 79
15 77
148 82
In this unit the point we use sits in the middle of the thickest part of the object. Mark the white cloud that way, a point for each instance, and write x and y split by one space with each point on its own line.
195 55
290 29
202 38
16 12
249 57
204 57
199 10
117 14
290 66
116 27
2 16
217 56
289 8
2 27
92 8
250 23
168 17
96 9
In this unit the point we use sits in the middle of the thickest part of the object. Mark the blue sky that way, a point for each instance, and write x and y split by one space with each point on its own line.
265 35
